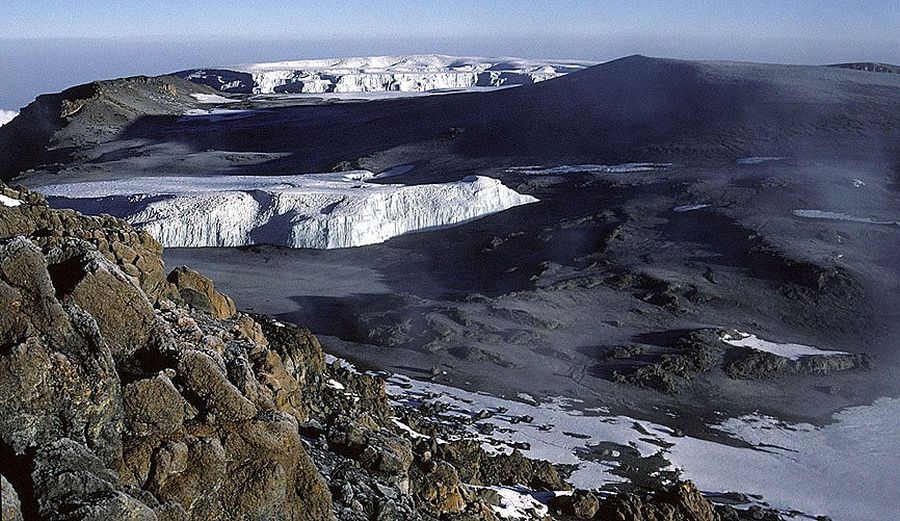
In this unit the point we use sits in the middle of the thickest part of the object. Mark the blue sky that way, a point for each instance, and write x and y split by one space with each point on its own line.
46 45
825 19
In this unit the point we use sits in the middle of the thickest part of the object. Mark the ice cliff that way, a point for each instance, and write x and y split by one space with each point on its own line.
417 73
319 211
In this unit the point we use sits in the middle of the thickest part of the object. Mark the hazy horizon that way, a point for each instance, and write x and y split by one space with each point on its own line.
37 66
66 42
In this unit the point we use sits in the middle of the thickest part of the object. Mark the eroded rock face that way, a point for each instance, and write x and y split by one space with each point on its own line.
48 128
136 253
116 409
697 352
682 502
580 505
57 374
199 292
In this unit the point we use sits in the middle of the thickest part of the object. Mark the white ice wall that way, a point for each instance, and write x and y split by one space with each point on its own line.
416 73
307 211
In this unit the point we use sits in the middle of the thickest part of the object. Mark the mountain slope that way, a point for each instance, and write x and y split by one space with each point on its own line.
54 125
635 107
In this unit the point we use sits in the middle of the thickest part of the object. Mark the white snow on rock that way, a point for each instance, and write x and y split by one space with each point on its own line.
517 503
212 98
844 469
413 73
216 115
791 351
556 444
624 168
334 384
320 211
9 201
6 116
837 216
757 160
689 208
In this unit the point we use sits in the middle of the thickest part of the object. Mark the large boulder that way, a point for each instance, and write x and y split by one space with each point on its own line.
581 504
681 502
437 489
154 406
200 293
57 374
205 381
84 278
70 482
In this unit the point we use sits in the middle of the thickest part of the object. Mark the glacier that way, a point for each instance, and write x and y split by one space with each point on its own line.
321 211
413 73
7 115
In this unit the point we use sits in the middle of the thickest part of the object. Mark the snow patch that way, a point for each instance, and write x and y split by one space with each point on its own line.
340 363
790 351
410 431
837 216
844 469
624 168
216 115
212 98
549 434
322 211
394 171
517 503
689 208
9 201
6 116
334 384
757 160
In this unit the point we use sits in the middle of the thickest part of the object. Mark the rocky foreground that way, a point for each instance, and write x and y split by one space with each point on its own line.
130 393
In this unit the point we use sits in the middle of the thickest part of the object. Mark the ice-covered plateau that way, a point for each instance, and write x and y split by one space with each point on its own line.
321 211
415 73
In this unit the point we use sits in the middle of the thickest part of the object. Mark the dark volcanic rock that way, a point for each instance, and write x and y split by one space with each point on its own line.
869 67
682 502
752 364
70 482
53 125
580 505
84 278
695 352
136 253
57 374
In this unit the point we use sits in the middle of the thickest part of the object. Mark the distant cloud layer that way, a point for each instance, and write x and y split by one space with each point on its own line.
6 116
